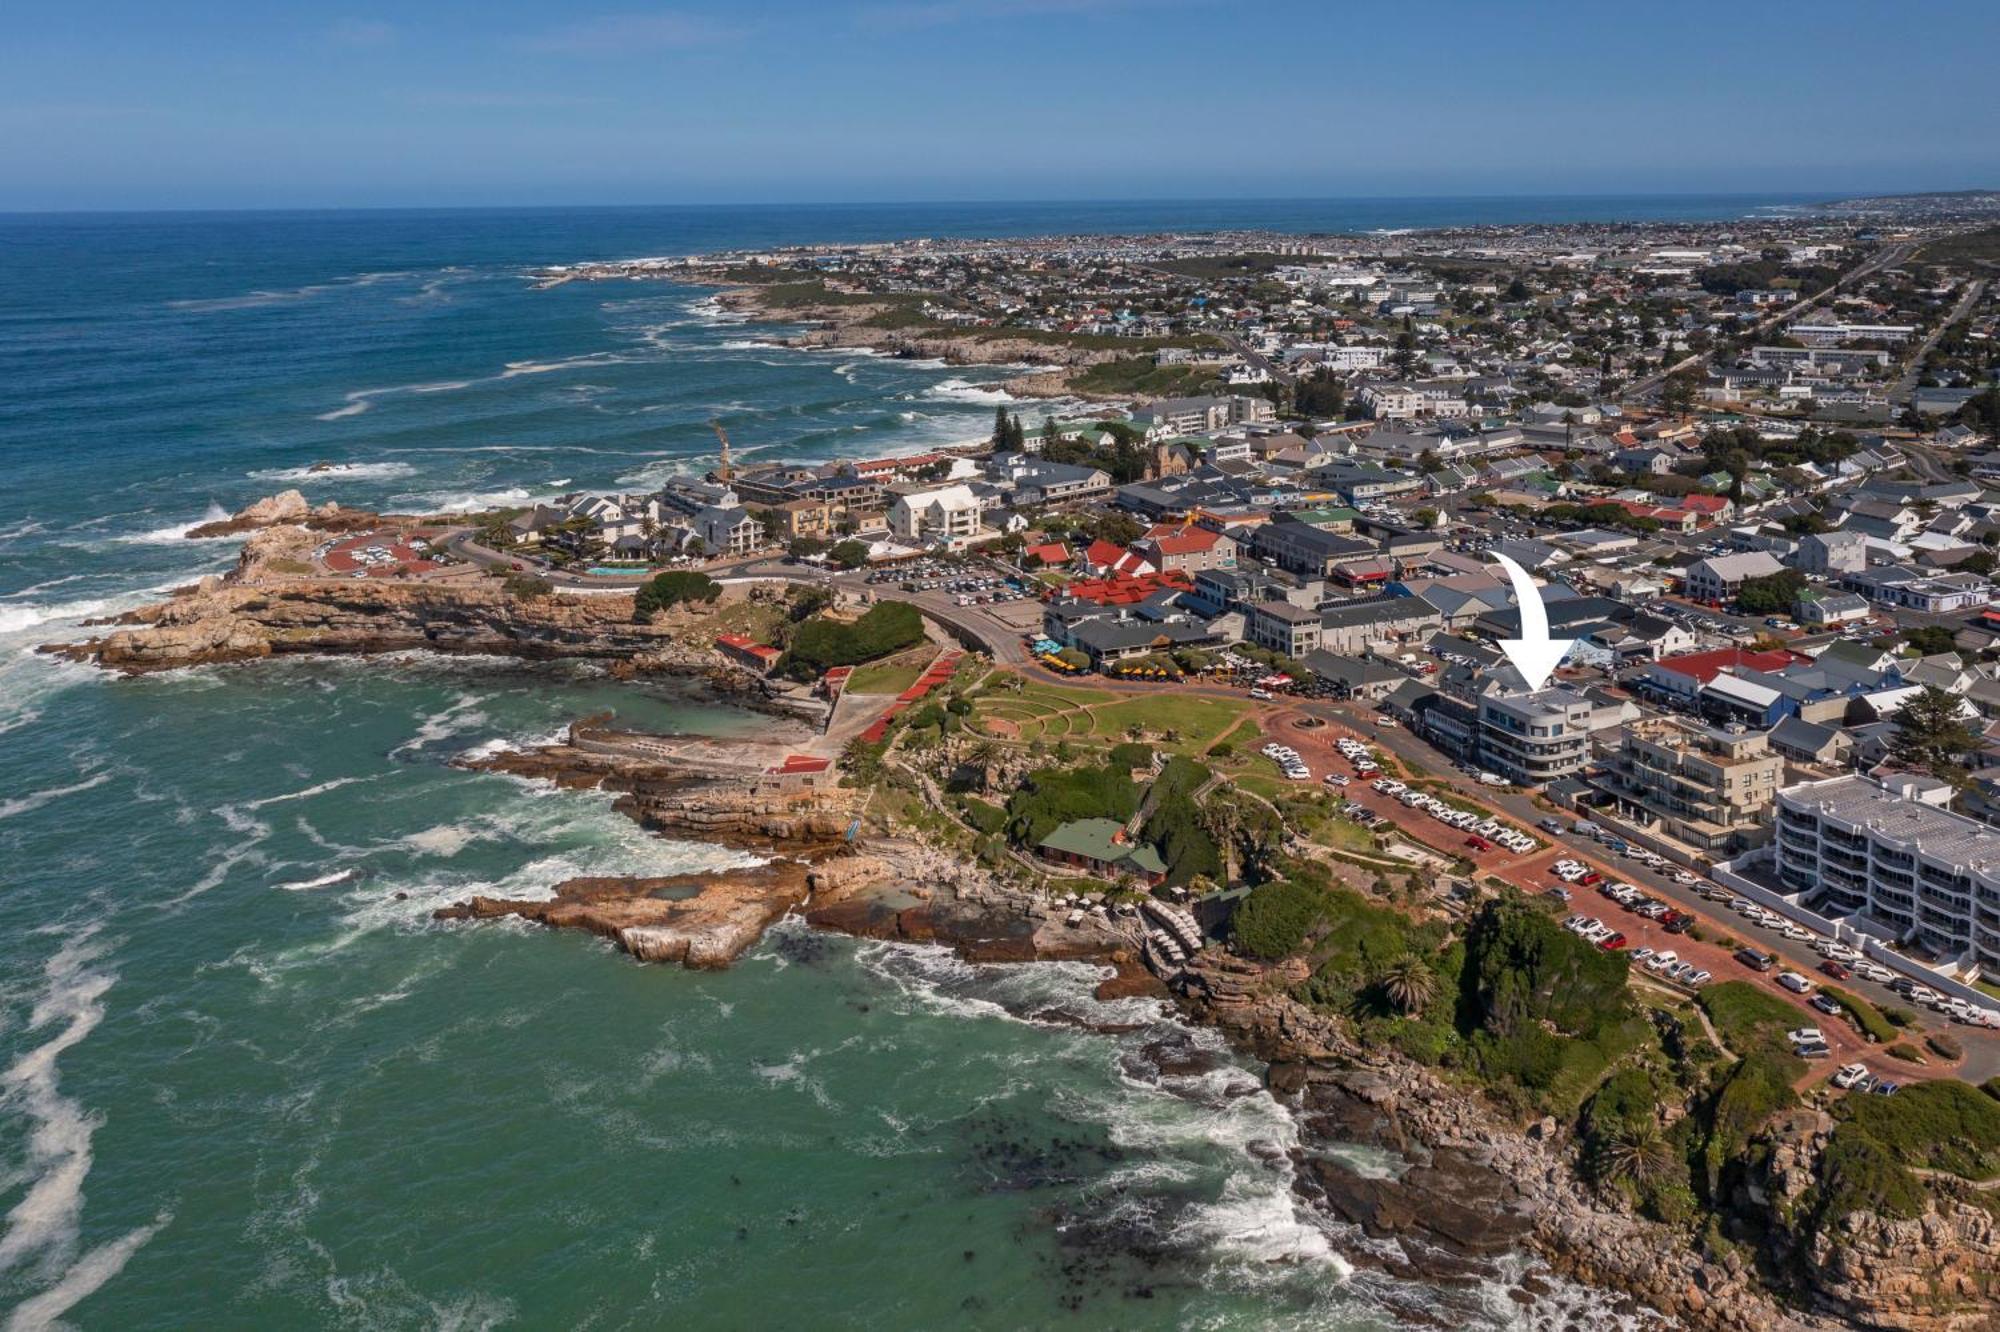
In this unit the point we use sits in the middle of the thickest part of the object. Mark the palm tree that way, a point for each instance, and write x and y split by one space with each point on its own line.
1637 1153
1409 984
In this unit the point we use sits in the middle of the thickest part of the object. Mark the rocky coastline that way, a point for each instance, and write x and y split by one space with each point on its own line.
273 604
1051 365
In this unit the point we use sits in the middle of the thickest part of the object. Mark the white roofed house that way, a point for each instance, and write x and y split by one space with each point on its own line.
947 514
732 531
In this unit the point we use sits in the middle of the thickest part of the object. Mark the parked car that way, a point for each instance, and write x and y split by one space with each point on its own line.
1794 982
1833 969
1755 960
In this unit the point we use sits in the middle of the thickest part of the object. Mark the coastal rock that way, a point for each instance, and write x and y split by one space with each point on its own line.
287 506
697 920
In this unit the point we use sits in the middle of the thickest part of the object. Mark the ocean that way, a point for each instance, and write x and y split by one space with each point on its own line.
246 1082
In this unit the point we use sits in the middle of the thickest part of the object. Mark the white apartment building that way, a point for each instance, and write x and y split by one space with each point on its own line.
1915 870
949 512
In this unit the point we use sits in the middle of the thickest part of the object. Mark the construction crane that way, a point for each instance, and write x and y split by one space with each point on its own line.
722 472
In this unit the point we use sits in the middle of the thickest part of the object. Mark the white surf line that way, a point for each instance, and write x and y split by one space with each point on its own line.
46 1222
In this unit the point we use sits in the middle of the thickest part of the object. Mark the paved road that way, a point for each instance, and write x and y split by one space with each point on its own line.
1888 258
1906 385
1530 872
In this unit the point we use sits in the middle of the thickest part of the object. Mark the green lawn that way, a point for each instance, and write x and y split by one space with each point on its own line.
891 675
1345 835
1750 1019
1197 722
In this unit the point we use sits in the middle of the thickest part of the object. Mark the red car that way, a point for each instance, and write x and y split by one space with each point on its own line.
1590 877
1833 969
1479 844
1612 944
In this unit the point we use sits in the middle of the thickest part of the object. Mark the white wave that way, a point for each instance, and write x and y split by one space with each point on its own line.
83 1278
964 390
47 1219
36 799
468 501
375 471
446 839
26 527
360 400
753 344
323 881
176 533
515 369
461 713
321 789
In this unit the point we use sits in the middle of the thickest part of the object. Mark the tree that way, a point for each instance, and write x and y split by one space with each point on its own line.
1931 639
1409 984
1932 735
849 554
1001 434
677 588
1636 1153
1425 518
1677 394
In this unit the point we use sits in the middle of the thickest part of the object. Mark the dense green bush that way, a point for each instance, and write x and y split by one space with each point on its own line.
1523 969
1942 1124
1866 1016
676 588
1174 825
527 587
1131 755
1859 1174
1051 797
821 643
1276 918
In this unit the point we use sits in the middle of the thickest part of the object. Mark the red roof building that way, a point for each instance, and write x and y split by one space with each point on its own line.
1701 667
1053 554
758 656
1119 590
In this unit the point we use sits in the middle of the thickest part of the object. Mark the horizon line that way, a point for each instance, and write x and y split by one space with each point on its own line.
1225 200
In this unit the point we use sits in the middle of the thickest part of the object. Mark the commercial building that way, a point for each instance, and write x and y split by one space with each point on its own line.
1708 787
1534 738
1894 856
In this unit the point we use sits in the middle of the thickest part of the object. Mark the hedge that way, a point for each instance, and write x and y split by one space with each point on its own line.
822 643
1866 1016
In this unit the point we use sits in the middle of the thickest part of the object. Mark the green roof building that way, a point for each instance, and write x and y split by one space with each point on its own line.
1101 846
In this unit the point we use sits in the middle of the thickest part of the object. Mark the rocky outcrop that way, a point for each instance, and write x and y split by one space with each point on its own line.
263 609
697 920
1937 1272
1475 1184
287 506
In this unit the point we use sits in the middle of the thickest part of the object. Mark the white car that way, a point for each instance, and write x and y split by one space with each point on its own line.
1851 1075
1794 982
1805 1036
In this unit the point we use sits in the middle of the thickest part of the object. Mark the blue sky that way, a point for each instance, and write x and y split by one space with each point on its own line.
137 104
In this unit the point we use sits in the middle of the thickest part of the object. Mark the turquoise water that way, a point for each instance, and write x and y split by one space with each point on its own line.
245 1081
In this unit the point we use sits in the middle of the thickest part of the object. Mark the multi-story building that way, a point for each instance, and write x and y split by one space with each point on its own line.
1282 627
1534 738
1710 788
949 512
1719 578
1835 552
1892 855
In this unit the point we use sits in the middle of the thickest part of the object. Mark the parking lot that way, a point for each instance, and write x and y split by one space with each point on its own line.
1319 747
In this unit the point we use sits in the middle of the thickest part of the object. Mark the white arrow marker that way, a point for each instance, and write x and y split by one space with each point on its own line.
1534 654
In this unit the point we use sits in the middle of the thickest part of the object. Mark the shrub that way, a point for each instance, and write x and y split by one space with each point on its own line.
676 588
1274 920
1051 797
1130 755
821 643
1865 1015
526 587
1945 1046
1939 1124
1906 1052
